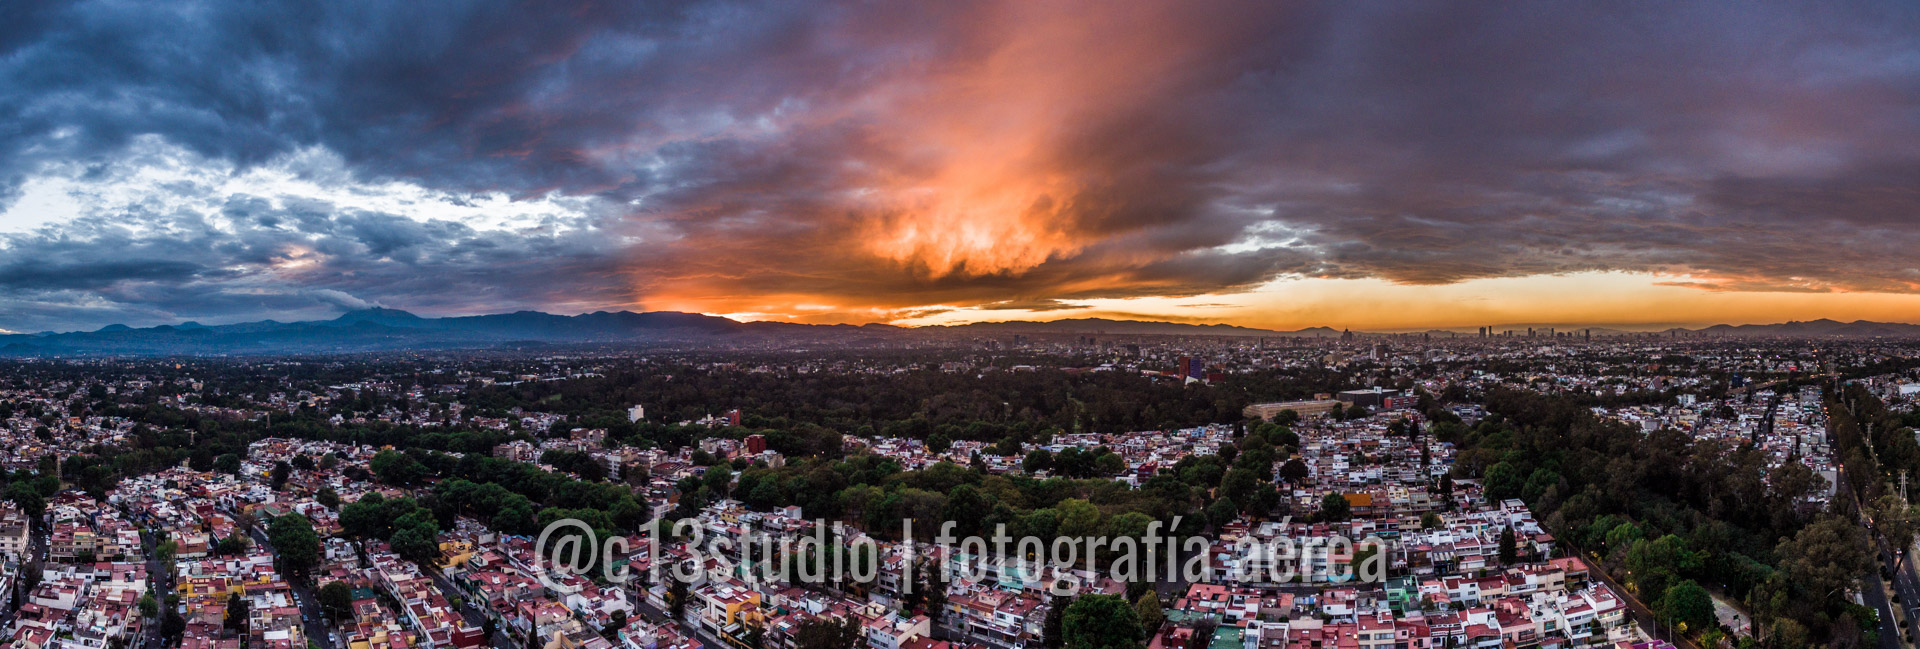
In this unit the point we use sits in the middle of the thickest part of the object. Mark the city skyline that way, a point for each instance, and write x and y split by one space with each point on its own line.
1269 165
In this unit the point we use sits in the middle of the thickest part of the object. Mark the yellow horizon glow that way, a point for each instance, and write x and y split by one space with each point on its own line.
1596 299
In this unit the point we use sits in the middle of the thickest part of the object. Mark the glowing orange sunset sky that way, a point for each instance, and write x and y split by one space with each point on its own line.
1270 164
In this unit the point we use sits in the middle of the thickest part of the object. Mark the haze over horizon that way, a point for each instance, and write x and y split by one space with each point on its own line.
401 318
1264 164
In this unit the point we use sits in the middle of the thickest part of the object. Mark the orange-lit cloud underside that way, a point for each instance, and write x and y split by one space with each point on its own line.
1239 163
1010 168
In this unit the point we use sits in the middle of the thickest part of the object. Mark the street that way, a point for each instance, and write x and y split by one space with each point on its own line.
1906 585
472 614
160 583
313 622
700 633
1872 589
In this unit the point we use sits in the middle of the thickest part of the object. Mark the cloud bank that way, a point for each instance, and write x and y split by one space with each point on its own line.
226 160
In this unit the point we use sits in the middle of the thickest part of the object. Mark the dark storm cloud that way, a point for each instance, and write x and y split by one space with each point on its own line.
286 258
967 153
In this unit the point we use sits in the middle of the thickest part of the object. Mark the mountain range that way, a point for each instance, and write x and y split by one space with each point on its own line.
1822 328
383 329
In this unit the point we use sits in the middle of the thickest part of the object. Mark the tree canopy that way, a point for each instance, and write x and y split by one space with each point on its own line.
1101 622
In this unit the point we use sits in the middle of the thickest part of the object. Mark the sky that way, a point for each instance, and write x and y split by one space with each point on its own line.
1367 165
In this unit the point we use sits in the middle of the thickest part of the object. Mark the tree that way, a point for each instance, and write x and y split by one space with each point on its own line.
718 479
227 463
1895 522
615 623
172 624
1202 633
237 613
1334 508
398 469
1221 511
929 593
1430 520
1509 547
1295 472
1073 463
230 546
825 633
1036 461
1051 635
1101 622
966 507
336 600
678 594
1538 483
1687 602
936 597
1503 481
1238 485
1152 615
295 543
1826 556
1078 518
765 494
148 607
415 544
1655 563
328 497
1265 499
1789 634
28 498
278 477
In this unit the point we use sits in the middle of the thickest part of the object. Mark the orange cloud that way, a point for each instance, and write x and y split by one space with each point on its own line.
994 186
975 160
1018 157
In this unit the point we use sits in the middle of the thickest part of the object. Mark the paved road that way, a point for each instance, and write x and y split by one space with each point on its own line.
1872 589
473 615
35 556
1641 614
160 584
1905 586
1906 582
315 625
1873 593
699 631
